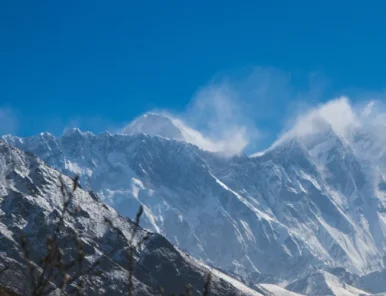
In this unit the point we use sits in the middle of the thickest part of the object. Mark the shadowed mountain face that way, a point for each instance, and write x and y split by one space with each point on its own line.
31 201
304 203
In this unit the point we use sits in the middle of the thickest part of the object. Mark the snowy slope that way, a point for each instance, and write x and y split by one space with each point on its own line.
276 290
30 200
306 202
324 283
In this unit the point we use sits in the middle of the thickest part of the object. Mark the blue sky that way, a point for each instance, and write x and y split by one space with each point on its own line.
99 64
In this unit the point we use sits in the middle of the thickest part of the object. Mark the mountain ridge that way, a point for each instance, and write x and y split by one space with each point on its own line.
298 205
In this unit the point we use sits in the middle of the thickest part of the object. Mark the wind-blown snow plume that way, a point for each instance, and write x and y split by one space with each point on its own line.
8 121
167 126
338 113
235 113
216 112
342 115
215 120
222 115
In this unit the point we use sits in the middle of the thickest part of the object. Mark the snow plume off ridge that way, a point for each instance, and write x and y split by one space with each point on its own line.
167 126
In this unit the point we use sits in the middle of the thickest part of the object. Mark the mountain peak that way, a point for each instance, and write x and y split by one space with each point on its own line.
305 136
75 132
155 124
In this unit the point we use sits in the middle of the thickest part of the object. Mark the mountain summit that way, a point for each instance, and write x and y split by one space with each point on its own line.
154 124
166 126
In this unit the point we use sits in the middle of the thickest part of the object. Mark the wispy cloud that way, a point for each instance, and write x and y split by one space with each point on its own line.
235 113
238 112
9 120
217 111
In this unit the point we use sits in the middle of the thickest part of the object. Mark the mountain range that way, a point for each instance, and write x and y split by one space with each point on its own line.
306 215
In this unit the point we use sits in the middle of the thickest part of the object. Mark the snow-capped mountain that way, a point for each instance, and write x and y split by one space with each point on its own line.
31 200
154 124
307 202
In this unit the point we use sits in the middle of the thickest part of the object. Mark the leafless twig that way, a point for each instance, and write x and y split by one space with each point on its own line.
208 280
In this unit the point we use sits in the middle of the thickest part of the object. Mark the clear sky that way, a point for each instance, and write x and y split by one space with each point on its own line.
99 64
